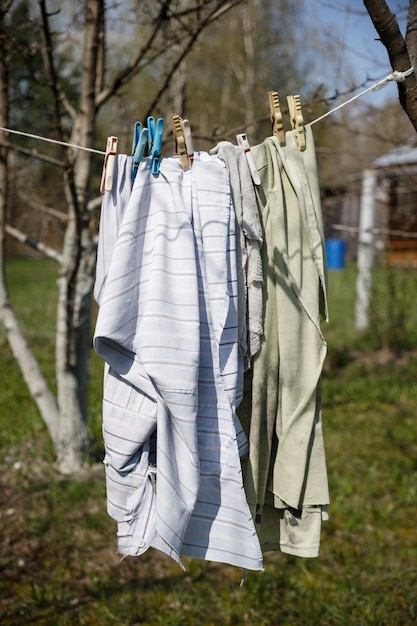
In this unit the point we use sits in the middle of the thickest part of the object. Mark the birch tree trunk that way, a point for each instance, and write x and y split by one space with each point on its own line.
73 332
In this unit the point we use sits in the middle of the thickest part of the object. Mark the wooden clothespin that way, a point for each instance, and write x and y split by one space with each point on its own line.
108 166
242 140
188 140
276 117
297 120
181 148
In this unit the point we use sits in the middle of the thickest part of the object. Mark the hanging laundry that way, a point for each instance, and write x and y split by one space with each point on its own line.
112 212
187 303
211 271
249 240
167 328
285 477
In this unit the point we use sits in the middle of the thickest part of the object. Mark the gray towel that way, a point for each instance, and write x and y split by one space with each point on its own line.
250 276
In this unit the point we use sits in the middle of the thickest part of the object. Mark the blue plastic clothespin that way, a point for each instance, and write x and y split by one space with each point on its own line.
151 128
140 140
156 131
137 127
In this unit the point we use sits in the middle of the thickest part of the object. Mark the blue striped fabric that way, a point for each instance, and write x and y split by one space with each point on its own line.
167 328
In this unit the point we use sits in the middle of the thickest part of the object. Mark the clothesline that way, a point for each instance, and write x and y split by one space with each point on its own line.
49 140
394 76
375 231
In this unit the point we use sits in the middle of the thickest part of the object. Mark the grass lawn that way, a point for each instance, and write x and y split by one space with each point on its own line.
58 562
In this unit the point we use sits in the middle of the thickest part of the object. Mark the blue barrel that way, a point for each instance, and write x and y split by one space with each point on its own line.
335 251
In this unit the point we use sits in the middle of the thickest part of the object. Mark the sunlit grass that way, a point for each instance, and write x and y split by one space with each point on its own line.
58 563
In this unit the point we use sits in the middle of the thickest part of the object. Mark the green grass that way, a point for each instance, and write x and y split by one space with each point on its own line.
392 323
58 562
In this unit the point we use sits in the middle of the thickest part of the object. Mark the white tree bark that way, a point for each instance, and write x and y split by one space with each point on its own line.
365 250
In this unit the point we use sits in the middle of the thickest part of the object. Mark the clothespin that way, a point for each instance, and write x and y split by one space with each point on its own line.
297 120
181 148
108 166
156 130
276 117
140 140
188 139
242 140
137 128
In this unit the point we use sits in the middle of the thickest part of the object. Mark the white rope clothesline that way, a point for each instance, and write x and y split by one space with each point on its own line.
47 139
394 76
355 230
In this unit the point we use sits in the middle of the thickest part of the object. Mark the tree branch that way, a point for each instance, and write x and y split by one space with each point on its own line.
411 33
32 153
133 67
137 62
389 32
34 244
51 69
214 15
101 50
62 217
5 8
400 57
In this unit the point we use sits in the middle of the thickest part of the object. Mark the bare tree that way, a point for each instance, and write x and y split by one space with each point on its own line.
66 416
402 51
